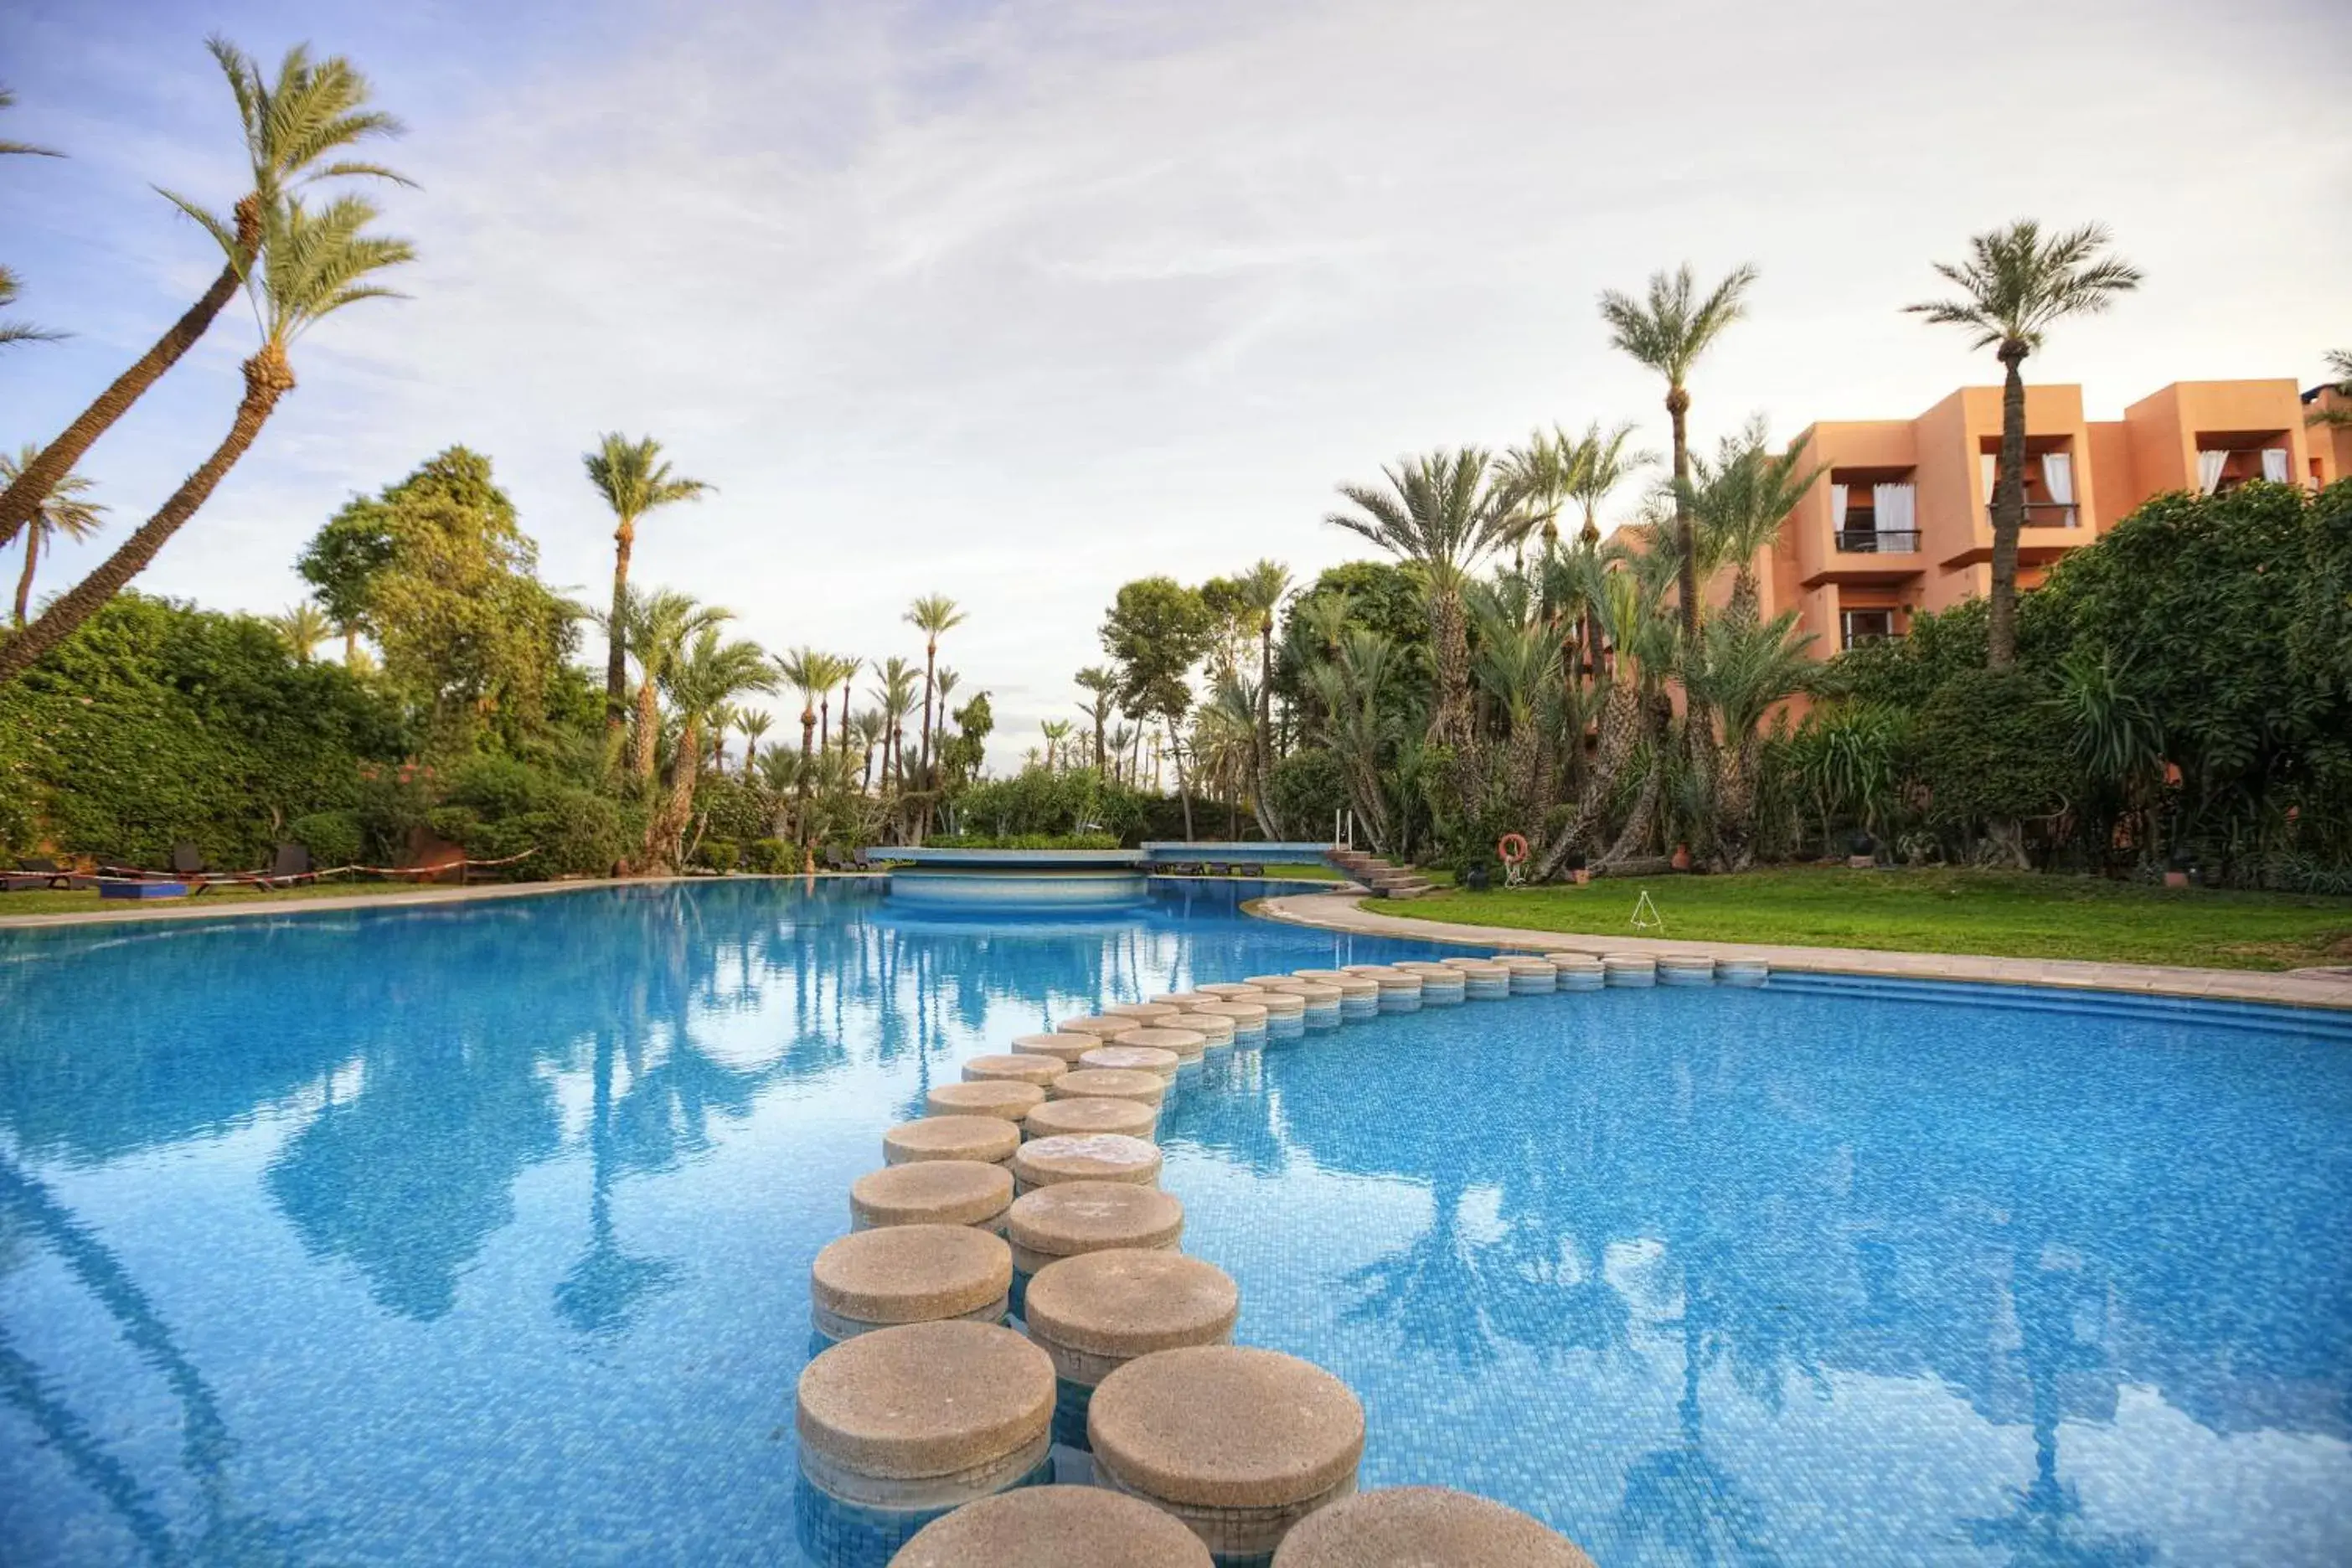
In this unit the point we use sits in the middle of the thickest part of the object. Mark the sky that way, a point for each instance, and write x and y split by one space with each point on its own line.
1016 302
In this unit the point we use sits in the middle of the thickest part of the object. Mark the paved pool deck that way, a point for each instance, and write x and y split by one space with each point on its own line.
1355 914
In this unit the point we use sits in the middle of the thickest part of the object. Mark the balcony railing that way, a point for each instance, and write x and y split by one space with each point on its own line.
1877 540
2044 514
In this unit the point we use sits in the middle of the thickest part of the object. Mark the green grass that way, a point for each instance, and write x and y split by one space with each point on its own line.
55 902
2003 914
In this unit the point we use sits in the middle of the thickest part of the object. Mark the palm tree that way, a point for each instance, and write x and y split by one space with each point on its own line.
1104 686
1055 731
754 722
62 511
1519 664
702 683
311 265
634 479
1262 588
2013 288
810 673
1738 502
2339 414
1120 738
1667 333
933 615
873 732
19 332
657 629
296 132
1548 469
845 669
1629 605
895 697
302 628
1443 512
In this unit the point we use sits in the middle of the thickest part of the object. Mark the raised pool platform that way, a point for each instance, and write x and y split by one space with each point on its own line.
1152 854
1063 878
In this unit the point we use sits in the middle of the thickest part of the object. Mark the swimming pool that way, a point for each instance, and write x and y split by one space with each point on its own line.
480 1235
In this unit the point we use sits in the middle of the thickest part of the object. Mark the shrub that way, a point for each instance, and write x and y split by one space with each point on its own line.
1309 788
772 856
1990 746
500 807
719 853
1020 841
332 837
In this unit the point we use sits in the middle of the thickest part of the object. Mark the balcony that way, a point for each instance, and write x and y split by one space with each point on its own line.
2045 515
1877 540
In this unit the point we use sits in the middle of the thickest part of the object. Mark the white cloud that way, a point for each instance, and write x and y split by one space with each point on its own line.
1018 305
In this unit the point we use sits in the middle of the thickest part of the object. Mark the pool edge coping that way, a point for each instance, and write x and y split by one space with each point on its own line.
1346 912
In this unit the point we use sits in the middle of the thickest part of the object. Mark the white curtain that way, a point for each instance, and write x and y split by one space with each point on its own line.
2210 464
2275 464
1897 507
1837 508
2058 477
1989 463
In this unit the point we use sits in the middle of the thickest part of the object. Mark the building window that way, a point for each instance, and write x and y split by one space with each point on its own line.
1856 628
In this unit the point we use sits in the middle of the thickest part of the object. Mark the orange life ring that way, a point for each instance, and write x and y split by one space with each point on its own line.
1513 848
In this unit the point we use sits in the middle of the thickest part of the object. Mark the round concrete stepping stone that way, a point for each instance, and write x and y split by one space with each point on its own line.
1096 1312
1185 1045
1741 971
1104 1025
1071 1219
1348 986
1232 991
926 1416
1061 1047
1247 1018
995 1097
1093 1113
1143 1012
1686 969
1578 971
1280 1004
1431 973
1464 961
1530 975
907 1274
1215 1029
933 1191
988 1139
1630 968
1160 1064
1424 1527
1388 977
1085 1157
1040 1070
1183 1000
1055 1527
1484 980
1113 1083
1240 1444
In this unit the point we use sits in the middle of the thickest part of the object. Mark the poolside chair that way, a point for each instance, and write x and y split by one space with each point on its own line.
291 865
33 872
187 860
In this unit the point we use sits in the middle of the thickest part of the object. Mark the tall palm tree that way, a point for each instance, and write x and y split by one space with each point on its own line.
1262 588
1055 731
302 628
2339 414
1442 512
1548 468
62 512
2014 287
19 332
933 615
845 669
754 722
658 627
634 479
296 131
1738 502
311 265
1667 333
872 734
702 682
1602 463
894 696
1103 685
1747 668
810 673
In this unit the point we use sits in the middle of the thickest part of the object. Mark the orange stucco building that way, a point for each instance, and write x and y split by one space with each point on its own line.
1901 519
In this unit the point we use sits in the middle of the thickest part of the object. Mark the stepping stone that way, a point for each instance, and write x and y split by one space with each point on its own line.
1143 1012
1104 1025
1483 979
1425 1527
1232 991
1096 1113
1071 1219
1741 971
988 1139
1686 969
1055 1527
1215 1029
998 1098
1096 1312
1160 1064
1112 1083
933 1191
1247 1018
900 1426
1349 986
1530 975
1239 1444
1186 1045
1040 1070
1630 968
908 1274
1088 1157
1061 1047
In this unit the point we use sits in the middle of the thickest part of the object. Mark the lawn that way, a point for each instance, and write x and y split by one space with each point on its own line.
2005 914
57 902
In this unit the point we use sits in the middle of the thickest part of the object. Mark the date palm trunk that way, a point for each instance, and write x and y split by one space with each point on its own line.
23 498
1620 727
25 582
648 727
2008 510
668 824
617 652
268 378
1262 750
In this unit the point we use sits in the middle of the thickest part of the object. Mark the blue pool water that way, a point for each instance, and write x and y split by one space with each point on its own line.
480 1236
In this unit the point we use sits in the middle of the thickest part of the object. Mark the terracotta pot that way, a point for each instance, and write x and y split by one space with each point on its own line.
1681 857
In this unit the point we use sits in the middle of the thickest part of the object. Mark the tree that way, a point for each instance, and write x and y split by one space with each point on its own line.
1667 333
1055 731
810 673
311 265
845 669
1442 512
754 722
704 681
19 332
1157 630
895 697
296 131
62 511
2014 287
634 479
659 628
1262 589
2338 414
1738 502
1548 470
302 628
933 615
1104 686
1748 668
